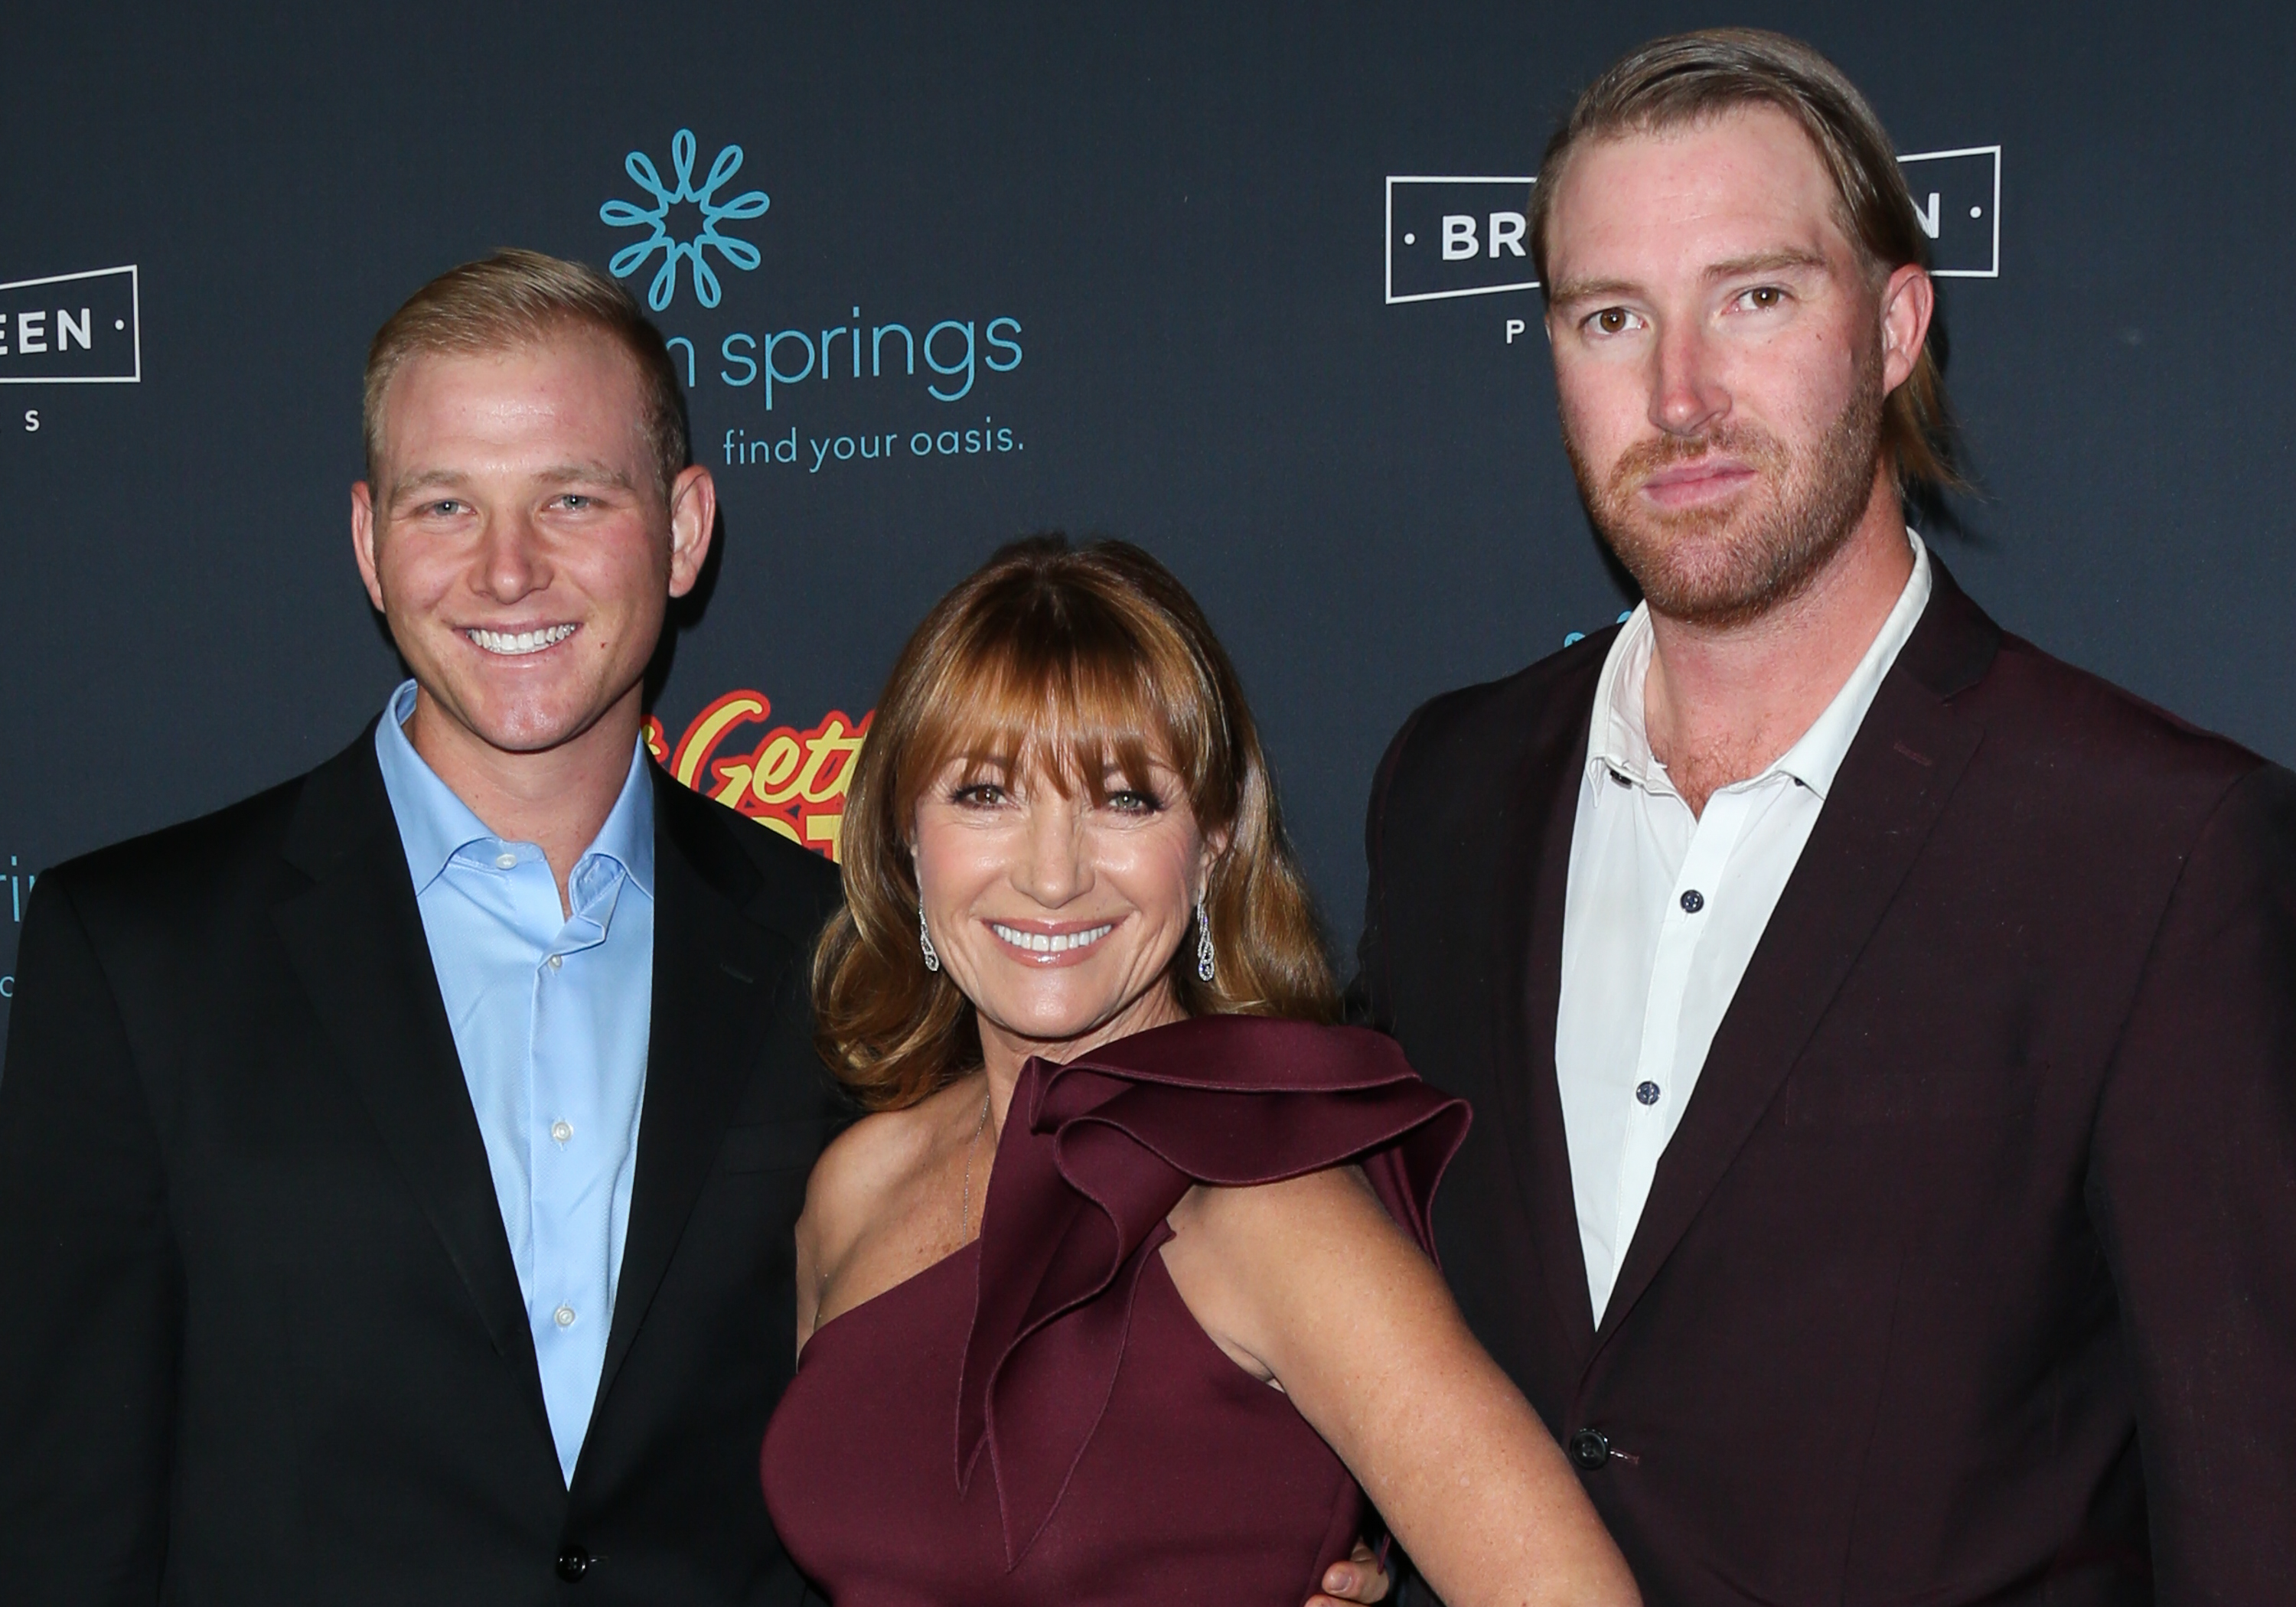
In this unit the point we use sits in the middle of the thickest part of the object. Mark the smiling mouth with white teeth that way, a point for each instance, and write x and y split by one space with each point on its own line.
1051 943
512 644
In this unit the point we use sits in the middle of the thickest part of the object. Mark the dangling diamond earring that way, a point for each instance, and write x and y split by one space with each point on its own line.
1203 945
924 938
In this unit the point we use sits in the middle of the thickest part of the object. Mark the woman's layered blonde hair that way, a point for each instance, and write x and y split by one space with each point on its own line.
1067 664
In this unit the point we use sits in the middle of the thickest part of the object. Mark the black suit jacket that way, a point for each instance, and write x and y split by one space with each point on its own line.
260 1335
1970 1274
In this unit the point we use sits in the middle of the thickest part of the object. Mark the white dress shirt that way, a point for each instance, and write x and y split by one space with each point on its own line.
1663 911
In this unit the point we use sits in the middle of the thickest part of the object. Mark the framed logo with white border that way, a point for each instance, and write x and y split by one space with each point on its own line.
72 329
1451 235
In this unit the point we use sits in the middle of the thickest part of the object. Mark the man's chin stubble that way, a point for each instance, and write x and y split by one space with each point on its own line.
1705 572
1723 569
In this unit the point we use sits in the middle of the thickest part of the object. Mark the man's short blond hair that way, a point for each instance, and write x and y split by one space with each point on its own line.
517 298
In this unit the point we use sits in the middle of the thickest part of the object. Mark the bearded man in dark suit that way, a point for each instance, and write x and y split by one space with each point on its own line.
397 1169
1884 1034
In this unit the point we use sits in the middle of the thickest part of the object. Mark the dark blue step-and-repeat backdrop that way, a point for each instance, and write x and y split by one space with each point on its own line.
1244 283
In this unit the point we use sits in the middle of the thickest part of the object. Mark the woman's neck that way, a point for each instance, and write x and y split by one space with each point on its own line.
1003 1052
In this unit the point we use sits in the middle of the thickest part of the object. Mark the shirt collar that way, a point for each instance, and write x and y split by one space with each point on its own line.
435 824
1618 741
627 836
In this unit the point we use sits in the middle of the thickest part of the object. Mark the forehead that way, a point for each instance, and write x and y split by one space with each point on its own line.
567 394
1743 182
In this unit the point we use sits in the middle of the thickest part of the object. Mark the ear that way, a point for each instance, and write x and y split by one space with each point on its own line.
1908 303
363 540
692 519
1208 857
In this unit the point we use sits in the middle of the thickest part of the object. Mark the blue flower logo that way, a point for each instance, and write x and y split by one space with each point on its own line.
629 215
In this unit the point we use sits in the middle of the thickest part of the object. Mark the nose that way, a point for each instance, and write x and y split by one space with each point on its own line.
1688 395
1055 868
510 563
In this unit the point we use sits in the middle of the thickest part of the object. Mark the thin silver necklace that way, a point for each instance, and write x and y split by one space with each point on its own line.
964 1210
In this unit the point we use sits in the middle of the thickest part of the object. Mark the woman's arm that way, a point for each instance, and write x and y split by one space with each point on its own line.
1311 1285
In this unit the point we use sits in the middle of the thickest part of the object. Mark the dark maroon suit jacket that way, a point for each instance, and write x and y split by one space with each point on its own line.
1970 1274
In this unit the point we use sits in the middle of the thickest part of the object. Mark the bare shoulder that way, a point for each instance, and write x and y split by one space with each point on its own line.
1260 1267
1334 1204
875 1206
861 1173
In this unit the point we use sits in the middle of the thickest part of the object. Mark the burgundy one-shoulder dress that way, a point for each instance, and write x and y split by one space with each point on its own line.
1037 1419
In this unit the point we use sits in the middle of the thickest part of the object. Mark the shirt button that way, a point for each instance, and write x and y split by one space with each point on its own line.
1693 902
504 861
1647 1093
563 1316
562 1130
556 960
1590 1448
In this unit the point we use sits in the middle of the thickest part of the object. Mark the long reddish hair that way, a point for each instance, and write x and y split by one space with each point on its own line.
1073 662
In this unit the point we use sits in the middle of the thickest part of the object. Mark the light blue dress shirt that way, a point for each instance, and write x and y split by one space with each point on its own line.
551 1014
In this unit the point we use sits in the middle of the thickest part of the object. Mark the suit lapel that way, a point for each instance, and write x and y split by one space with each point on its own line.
354 940
714 970
1907 757
1534 856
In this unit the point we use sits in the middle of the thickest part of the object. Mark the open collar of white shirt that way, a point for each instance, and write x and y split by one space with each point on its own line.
1662 913
1619 740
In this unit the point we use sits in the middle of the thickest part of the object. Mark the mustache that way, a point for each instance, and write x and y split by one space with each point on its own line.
1757 448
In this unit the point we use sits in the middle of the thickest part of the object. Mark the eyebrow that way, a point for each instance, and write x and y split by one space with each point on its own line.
1760 262
1588 290
1766 262
591 474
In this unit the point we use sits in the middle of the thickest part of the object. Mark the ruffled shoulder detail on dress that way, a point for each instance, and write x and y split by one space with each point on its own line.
1109 1144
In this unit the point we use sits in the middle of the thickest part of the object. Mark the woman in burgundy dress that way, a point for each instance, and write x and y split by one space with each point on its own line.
1123 1295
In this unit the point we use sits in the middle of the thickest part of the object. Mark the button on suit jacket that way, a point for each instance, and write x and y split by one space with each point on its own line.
1970 1274
260 1335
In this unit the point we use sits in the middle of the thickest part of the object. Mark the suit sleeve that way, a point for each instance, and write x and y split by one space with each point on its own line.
90 1301
2193 1182
1366 1002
